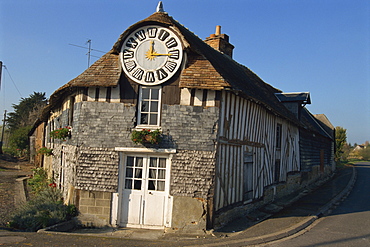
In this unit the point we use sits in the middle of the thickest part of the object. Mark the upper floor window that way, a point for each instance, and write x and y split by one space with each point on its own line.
149 106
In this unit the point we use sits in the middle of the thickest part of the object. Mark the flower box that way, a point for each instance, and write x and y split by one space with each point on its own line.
146 136
61 133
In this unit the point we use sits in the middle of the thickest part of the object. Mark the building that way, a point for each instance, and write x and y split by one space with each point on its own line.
230 142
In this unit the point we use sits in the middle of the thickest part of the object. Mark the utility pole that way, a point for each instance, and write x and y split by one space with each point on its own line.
2 134
1 69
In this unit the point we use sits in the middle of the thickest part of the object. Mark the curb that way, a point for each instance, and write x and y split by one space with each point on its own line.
299 226
341 196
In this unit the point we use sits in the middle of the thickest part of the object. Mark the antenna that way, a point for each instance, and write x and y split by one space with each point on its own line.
88 42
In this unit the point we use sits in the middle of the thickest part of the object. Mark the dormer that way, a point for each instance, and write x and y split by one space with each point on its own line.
294 101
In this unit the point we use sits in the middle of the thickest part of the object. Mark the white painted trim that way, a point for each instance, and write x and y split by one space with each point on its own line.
146 150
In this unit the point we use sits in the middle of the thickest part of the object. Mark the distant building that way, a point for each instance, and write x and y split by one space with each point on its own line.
231 142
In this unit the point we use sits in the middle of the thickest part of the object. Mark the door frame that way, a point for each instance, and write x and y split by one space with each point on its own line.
117 205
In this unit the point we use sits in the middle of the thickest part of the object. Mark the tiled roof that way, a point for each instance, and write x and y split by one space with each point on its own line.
211 69
206 68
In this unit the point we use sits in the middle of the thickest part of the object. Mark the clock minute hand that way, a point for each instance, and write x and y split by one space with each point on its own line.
158 54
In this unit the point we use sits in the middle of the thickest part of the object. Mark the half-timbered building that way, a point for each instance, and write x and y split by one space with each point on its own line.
229 141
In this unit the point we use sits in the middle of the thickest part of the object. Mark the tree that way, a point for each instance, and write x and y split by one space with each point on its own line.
21 120
27 111
340 142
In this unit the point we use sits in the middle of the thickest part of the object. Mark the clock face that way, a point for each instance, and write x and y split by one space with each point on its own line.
151 55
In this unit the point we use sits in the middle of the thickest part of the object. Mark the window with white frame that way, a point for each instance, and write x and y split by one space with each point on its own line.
149 106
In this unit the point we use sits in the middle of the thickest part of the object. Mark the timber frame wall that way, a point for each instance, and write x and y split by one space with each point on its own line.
248 129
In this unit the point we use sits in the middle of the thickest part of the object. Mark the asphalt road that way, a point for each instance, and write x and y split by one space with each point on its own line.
348 225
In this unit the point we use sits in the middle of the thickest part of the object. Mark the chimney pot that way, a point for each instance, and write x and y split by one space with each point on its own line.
218 30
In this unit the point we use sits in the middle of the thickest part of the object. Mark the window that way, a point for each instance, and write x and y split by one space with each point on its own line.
149 106
278 135
149 172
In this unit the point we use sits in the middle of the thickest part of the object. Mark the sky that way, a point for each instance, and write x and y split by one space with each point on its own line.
316 46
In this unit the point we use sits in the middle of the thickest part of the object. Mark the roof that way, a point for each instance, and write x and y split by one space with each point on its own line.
294 97
219 71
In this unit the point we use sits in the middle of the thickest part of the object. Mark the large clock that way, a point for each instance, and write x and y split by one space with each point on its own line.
151 55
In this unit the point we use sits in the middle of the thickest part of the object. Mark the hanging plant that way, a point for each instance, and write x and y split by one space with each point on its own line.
45 151
146 136
61 133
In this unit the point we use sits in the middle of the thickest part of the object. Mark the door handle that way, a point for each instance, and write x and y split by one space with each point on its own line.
150 193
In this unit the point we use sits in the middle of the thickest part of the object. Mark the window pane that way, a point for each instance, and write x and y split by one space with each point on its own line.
145 106
162 162
129 172
160 185
155 94
154 106
151 185
161 174
137 184
144 118
152 173
128 184
153 162
130 161
138 173
139 162
153 119
145 93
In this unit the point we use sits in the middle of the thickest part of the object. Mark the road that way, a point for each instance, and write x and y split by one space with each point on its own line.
348 225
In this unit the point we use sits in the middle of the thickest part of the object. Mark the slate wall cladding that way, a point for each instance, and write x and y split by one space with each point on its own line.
99 127
190 127
97 169
192 173
102 124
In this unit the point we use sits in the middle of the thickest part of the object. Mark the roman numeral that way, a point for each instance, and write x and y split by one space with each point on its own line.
131 43
140 35
152 32
163 34
130 65
138 74
161 74
171 43
175 54
171 66
128 54
149 77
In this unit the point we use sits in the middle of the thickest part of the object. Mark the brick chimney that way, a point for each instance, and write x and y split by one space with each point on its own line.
220 42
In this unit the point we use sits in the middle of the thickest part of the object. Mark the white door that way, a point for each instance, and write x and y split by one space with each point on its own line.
145 187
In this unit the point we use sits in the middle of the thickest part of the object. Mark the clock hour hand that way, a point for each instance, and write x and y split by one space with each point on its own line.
151 53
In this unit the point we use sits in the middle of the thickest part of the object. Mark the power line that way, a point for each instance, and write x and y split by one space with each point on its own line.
89 51
12 81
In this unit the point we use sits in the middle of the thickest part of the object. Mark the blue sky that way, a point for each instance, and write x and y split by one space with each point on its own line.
316 46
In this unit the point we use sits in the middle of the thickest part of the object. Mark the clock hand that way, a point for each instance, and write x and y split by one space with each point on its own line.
158 54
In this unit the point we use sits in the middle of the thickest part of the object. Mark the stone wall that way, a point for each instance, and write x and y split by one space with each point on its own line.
97 169
95 208
192 173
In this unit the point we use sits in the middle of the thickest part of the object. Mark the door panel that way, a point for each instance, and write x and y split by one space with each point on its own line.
144 190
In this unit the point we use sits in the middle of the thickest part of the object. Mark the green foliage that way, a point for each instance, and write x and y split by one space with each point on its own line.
45 151
27 111
21 120
45 209
19 142
39 180
61 133
340 142
46 206
146 136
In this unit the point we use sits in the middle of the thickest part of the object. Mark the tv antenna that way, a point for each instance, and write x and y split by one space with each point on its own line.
88 42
